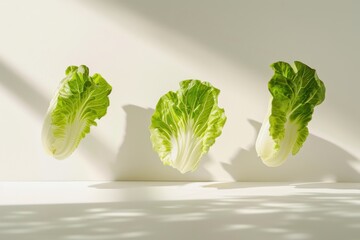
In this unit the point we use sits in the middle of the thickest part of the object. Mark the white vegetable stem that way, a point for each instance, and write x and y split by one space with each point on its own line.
186 150
61 147
265 145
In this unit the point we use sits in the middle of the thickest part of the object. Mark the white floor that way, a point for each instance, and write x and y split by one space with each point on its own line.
159 210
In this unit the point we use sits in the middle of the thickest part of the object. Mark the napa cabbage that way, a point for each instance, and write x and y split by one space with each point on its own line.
294 94
186 123
79 101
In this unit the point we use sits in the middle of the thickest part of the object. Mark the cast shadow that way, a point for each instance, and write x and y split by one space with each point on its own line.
253 34
296 216
23 90
325 185
313 185
318 160
135 185
136 160
221 26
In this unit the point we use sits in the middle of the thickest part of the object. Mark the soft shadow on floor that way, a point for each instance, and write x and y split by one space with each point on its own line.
136 159
242 185
135 184
307 217
318 160
324 185
315 185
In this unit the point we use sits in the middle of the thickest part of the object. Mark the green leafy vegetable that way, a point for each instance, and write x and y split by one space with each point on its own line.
186 123
79 101
295 93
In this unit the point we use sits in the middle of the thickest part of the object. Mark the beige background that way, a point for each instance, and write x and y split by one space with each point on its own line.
144 48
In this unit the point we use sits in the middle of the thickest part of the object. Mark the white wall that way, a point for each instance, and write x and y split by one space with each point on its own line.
144 48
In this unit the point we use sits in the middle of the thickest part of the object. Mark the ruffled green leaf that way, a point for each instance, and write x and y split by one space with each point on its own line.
79 101
295 93
186 123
